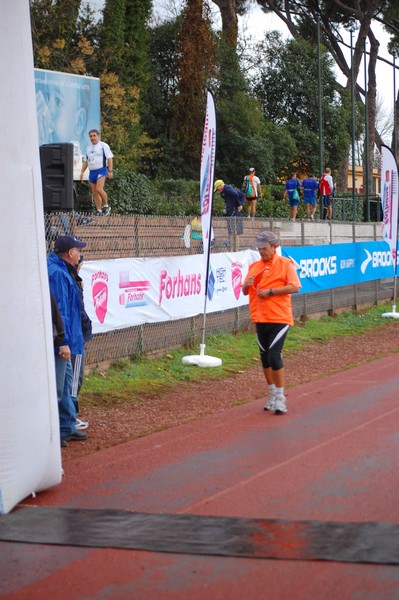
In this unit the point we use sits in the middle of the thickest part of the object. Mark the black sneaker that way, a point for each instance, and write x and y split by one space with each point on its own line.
99 213
78 436
64 443
106 211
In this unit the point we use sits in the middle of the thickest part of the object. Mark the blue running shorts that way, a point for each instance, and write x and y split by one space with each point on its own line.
96 174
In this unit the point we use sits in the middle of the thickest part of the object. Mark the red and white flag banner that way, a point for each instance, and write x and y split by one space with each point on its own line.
389 199
208 155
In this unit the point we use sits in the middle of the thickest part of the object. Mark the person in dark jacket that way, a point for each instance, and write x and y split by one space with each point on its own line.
62 285
234 200
60 350
78 362
58 323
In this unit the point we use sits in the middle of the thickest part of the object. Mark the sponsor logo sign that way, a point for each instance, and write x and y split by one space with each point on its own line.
336 265
99 292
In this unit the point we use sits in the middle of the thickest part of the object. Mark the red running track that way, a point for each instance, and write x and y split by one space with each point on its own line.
333 457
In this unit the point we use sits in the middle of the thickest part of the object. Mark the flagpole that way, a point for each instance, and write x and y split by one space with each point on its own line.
396 162
202 345
394 314
208 155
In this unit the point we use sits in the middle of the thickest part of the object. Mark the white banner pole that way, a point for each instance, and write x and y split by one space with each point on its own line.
208 155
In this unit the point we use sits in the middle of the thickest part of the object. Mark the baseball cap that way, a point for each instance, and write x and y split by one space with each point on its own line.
252 168
65 242
217 183
266 237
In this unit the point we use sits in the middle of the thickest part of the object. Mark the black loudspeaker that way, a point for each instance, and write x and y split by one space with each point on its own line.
56 162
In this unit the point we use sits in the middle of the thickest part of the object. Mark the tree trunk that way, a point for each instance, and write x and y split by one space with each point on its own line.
371 115
342 179
396 129
228 11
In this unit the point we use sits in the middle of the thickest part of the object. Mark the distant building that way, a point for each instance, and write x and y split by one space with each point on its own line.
376 185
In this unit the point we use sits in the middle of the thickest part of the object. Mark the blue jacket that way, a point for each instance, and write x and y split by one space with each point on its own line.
233 198
84 317
65 292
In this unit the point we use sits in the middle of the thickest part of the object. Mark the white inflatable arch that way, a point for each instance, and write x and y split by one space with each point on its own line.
30 456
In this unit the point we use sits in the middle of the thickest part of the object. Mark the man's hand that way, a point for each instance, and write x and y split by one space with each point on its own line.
65 352
265 293
82 172
248 281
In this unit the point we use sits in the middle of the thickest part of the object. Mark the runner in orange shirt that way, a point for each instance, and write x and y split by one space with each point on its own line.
269 284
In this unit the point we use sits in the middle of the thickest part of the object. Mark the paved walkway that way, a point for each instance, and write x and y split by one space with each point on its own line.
332 458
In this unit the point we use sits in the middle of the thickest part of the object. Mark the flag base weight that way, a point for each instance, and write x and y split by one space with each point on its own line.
202 360
393 314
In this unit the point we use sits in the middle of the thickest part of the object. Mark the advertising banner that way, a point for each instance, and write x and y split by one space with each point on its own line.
67 106
132 291
206 173
389 199
329 266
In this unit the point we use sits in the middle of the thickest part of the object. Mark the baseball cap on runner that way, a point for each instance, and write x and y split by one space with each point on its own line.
251 169
217 183
266 237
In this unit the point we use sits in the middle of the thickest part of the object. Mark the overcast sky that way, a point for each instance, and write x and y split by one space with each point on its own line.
258 22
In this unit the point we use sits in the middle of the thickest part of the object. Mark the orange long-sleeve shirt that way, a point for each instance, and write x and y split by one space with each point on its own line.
277 273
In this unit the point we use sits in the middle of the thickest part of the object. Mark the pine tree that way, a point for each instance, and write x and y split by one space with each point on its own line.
196 67
112 36
136 39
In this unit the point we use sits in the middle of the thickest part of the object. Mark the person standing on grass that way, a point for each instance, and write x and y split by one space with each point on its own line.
269 285
78 362
99 159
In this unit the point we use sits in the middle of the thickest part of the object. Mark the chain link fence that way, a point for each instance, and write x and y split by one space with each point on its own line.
124 236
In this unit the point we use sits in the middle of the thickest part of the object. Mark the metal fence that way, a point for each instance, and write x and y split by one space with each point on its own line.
121 236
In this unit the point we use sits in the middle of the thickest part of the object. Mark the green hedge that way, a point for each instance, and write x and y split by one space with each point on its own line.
130 192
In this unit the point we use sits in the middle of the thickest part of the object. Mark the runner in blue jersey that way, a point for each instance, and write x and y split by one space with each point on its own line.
291 189
310 189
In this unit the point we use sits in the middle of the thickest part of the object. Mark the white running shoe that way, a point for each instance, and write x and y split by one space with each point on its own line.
280 407
81 424
270 403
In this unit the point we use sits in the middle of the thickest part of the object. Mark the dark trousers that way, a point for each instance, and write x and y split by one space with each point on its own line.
234 222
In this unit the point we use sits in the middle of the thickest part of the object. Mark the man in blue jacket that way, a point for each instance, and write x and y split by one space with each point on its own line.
62 285
234 201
